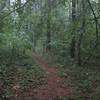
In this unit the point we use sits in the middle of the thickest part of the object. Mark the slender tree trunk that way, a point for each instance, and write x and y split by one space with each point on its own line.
73 10
8 3
70 10
72 50
82 31
48 46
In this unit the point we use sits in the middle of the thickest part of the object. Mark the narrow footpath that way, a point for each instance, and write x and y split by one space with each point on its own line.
54 87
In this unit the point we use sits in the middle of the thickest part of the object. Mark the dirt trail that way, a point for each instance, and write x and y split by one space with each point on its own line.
54 86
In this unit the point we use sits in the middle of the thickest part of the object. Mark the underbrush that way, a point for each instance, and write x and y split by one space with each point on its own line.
84 81
18 74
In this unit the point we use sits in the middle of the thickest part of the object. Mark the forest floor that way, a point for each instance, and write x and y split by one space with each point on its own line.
54 87
63 83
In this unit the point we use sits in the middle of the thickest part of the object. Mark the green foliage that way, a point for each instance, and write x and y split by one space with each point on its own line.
7 77
23 76
85 81
63 98
24 28
30 77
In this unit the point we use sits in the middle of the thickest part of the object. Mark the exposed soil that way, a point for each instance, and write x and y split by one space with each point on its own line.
53 86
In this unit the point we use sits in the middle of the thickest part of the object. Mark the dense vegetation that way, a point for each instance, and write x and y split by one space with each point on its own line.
64 32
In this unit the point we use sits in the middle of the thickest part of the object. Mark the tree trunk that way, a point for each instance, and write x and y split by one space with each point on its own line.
48 46
82 31
72 49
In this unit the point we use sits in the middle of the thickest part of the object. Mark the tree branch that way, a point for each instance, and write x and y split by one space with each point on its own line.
96 22
14 10
97 32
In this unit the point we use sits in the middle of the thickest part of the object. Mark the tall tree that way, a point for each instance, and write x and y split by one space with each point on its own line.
81 30
48 46
73 30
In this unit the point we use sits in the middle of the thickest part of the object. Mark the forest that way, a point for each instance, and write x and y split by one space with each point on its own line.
49 49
